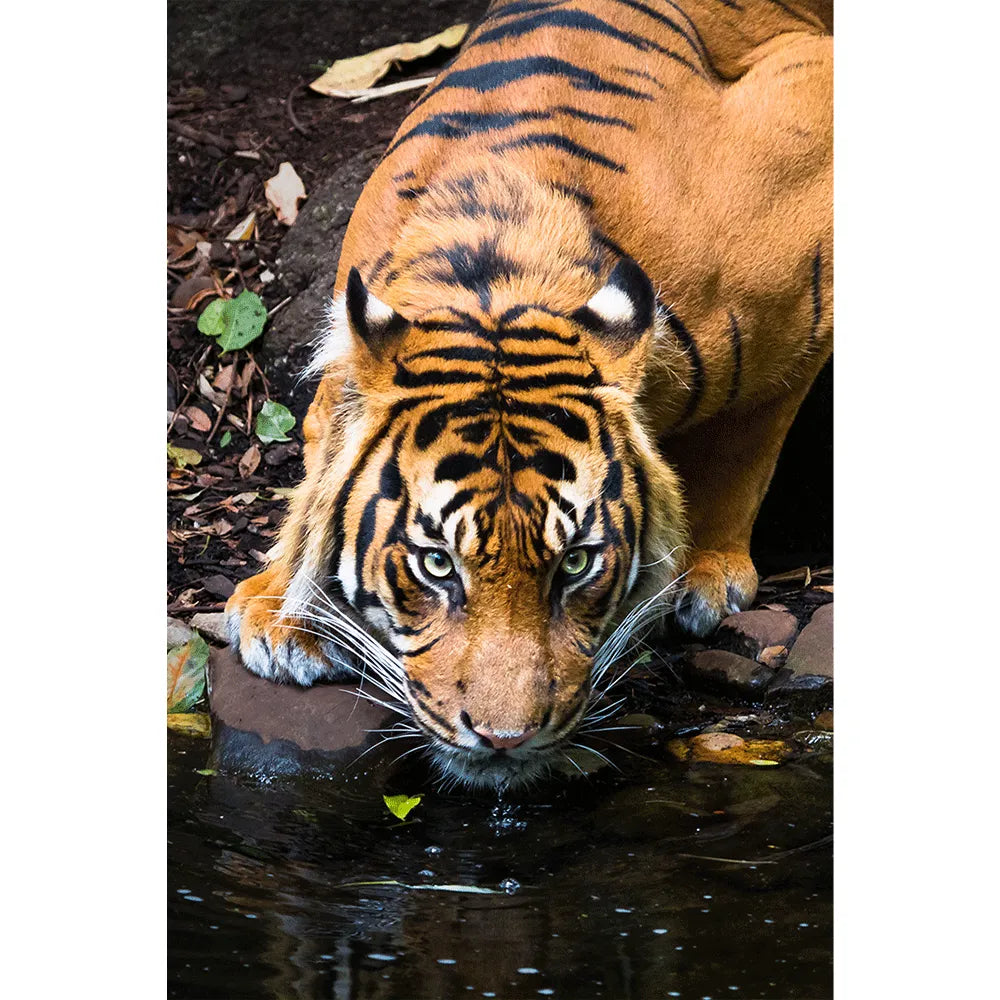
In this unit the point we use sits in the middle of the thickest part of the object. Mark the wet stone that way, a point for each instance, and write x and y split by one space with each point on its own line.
177 632
749 633
212 627
723 669
808 671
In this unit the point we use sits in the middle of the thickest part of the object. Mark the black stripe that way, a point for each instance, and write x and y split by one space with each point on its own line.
817 292
462 124
420 650
697 367
577 20
569 423
411 193
457 466
736 337
557 141
459 353
581 196
493 75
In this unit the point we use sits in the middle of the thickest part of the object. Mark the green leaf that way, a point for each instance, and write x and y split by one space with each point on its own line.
182 457
207 771
213 319
186 674
401 805
225 439
236 322
272 422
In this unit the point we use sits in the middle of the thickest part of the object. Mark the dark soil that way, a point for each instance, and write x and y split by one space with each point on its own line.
236 76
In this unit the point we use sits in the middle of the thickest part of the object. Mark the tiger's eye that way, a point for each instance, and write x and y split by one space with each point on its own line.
575 562
438 563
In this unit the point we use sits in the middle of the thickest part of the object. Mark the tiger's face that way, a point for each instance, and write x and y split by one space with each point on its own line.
500 509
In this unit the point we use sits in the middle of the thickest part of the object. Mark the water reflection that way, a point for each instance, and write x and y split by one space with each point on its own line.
668 880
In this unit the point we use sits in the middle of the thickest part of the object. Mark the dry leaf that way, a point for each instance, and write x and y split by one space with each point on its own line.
361 72
726 748
190 723
245 229
198 419
249 461
284 191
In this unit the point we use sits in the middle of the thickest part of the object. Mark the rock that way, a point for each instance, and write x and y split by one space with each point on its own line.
177 632
721 668
212 627
321 718
808 671
750 632
824 721
218 585
714 742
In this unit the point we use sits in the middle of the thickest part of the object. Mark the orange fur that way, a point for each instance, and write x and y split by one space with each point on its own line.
695 140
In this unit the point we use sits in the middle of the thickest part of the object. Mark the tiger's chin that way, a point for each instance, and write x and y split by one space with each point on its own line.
490 770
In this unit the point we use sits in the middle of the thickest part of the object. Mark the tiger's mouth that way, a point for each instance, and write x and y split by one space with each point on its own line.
478 766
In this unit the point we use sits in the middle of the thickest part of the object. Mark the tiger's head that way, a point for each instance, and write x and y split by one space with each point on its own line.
492 505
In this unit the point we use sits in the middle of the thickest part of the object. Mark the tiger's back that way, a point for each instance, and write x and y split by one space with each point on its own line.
698 144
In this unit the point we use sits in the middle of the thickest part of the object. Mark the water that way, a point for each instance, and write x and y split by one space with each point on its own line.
601 887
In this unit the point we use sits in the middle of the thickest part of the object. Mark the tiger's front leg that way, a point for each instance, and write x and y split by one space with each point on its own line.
276 640
726 464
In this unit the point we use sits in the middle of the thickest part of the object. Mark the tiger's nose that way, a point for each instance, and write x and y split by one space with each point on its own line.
504 739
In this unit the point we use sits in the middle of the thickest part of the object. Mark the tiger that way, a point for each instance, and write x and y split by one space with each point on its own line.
578 304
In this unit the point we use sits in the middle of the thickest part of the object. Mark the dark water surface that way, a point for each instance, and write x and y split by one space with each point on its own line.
596 891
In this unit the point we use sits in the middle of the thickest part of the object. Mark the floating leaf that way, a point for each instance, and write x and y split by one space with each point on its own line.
476 889
191 724
284 191
208 772
360 72
401 805
272 422
182 457
727 748
235 322
186 674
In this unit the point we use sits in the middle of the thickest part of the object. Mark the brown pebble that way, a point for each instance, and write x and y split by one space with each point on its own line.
714 742
824 721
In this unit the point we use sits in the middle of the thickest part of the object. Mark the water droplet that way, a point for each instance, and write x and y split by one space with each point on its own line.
659 930
446 961
527 970
510 886
622 909
433 850
426 872
380 957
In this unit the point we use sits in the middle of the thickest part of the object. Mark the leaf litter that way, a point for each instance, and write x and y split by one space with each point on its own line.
346 77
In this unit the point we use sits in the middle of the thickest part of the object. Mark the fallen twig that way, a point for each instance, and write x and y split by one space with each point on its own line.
296 124
200 136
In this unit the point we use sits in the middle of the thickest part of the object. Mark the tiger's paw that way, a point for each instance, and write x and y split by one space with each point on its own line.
276 646
716 584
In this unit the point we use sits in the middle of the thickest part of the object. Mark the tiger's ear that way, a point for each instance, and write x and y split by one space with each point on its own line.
370 319
622 311
618 317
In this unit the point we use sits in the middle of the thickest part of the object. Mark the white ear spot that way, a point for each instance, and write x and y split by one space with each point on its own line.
377 313
613 305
